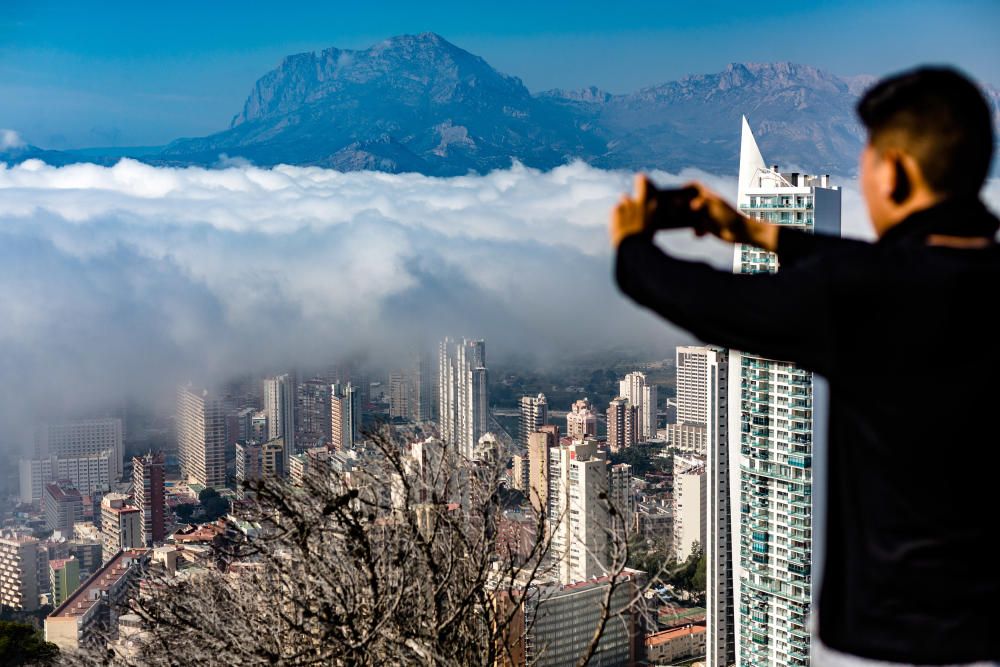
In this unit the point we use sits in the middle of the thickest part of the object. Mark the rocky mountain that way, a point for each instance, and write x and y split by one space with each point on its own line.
410 103
420 103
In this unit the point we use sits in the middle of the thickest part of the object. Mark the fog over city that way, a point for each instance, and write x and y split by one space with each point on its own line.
120 282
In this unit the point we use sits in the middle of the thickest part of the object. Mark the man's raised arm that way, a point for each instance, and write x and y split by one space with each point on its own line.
747 312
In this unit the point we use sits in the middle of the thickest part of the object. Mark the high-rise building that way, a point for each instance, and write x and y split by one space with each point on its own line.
772 401
553 623
620 492
345 416
539 445
719 539
400 395
149 496
248 463
273 455
63 507
689 432
578 511
688 505
520 474
581 420
314 413
422 398
258 426
463 394
121 525
692 388
201 437
642 395
534 415
64 578
623 424
19 572
279 407
88 473
81 438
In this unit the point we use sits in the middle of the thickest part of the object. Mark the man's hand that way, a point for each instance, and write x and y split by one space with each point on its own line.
713 214
632 216
720 219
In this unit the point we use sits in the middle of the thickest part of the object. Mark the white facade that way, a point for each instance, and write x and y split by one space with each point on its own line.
772 402
688 505
643 396
121 525
581 421
19 572
692 399
577 478
279 408
463 394
88 473
83 437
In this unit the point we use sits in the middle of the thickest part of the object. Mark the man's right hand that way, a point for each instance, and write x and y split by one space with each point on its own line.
720 219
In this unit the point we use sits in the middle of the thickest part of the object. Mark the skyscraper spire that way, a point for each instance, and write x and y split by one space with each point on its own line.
750 159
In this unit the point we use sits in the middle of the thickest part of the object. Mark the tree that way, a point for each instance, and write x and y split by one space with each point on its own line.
184 511
402 560
21 644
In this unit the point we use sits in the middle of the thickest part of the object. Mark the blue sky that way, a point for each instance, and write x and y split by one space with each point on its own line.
116 73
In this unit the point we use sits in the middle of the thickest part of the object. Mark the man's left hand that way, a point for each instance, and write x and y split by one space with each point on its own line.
631 216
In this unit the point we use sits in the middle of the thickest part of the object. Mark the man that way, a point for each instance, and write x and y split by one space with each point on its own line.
904 331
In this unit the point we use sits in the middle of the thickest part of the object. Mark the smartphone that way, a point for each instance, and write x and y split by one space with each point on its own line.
673 208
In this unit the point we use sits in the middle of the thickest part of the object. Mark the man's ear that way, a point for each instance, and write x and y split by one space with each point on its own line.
902 182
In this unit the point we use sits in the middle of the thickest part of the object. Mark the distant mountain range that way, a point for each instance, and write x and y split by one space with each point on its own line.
420 103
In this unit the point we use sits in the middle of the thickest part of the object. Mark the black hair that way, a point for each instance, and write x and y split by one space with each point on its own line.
940 117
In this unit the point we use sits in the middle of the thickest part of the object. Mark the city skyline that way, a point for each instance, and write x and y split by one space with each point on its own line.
344 339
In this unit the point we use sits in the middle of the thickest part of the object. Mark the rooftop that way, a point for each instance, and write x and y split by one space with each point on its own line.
89 593
60 492
664 636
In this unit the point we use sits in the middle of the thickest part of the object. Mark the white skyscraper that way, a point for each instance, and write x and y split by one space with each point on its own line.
577 480
771 402
82 437
279 407
688 505
643 396
690 432
463 394
581 421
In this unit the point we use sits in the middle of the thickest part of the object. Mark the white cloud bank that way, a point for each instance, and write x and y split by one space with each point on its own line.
115 280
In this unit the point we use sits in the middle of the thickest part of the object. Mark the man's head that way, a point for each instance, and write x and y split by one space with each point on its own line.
930 137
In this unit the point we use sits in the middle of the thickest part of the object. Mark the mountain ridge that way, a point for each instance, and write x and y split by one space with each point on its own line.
421 103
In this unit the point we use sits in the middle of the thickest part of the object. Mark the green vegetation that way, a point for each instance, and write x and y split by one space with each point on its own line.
22 644
688 576
643 458
211 507
184 511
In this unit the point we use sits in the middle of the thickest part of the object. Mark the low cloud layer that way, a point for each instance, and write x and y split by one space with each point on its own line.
122 281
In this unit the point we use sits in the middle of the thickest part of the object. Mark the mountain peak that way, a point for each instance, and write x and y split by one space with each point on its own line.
424 69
